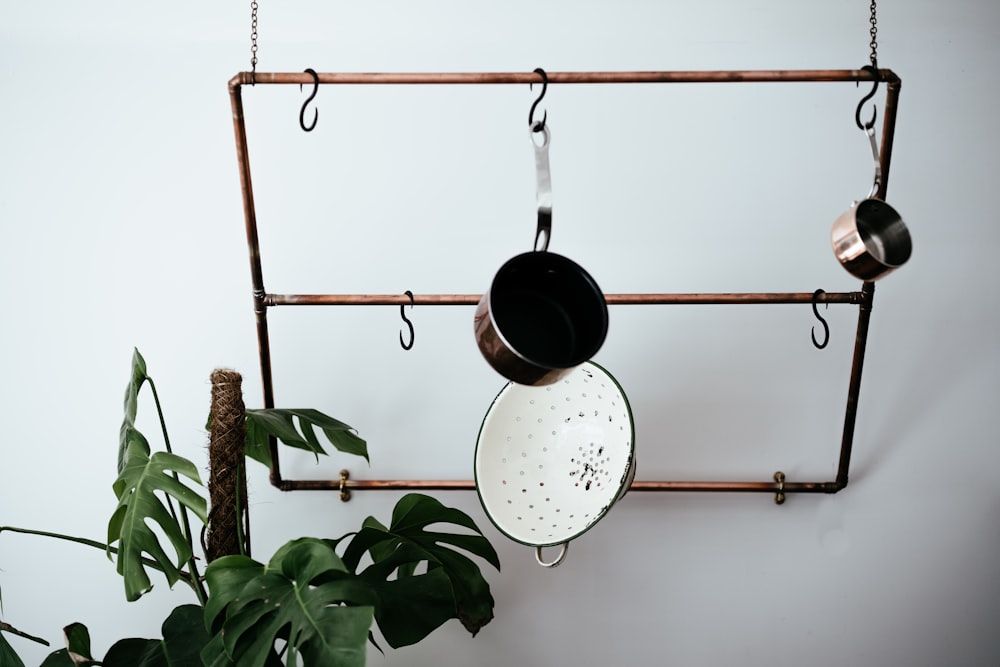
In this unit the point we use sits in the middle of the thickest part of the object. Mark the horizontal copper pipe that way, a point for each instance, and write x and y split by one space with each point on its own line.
708 76
468 485
612 299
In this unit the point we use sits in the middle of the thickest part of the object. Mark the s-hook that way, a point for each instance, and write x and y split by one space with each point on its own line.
873 70
826 327
402 313
302 113
538 126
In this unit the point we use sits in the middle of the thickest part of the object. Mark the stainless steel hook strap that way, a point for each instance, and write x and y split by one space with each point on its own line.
876 186
544 187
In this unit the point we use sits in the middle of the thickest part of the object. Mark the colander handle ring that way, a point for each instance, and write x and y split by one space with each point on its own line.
560 558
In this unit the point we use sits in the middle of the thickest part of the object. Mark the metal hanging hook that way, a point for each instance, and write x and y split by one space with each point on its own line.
538 126
302 113
409 324
873 70
826 327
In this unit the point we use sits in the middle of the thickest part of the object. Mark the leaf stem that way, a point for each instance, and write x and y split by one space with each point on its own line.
241 536
7 627
196 581
186 577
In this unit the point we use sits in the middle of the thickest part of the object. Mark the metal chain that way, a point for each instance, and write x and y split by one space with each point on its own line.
874 35
253 36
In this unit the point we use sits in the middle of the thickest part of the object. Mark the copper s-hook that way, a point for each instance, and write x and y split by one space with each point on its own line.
402 313
873 70
826 327
302 113
538 126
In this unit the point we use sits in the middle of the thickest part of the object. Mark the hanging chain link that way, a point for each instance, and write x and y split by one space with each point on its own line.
253 36
874 35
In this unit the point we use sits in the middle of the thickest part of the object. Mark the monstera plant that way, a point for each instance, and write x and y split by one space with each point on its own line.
315 601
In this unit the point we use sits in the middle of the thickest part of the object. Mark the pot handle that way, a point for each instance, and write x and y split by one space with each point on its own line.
560 558
543 188
877 184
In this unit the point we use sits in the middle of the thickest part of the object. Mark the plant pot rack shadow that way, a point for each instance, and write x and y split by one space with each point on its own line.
263 300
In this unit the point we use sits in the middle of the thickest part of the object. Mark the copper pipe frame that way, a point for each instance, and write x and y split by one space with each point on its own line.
263 300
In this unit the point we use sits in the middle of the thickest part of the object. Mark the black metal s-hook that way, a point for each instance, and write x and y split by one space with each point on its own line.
538 126
302 113
873 69
826 327
402 313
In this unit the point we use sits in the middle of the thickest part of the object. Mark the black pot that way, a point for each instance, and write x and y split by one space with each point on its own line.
543 316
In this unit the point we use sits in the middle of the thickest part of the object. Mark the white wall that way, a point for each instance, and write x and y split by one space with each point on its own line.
122 226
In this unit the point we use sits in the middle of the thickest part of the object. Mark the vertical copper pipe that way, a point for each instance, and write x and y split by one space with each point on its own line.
256 273
249 212
888 133
854 389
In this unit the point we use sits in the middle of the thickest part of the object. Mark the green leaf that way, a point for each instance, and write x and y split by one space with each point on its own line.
410 605
214 655
78 644
138 653
184 636
281 423
298 597
137 377
58 658
226 577
7 654
141 477
257 446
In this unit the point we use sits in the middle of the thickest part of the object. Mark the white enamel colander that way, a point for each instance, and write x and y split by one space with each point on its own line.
552 460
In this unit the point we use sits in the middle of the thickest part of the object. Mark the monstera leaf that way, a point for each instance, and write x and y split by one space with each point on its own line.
410 606
140 478
227 577
136 487
322 606
297 597
280 423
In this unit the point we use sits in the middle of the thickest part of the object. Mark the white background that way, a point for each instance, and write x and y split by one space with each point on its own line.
122 227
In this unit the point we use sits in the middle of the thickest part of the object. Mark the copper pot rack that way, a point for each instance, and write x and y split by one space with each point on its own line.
264 300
